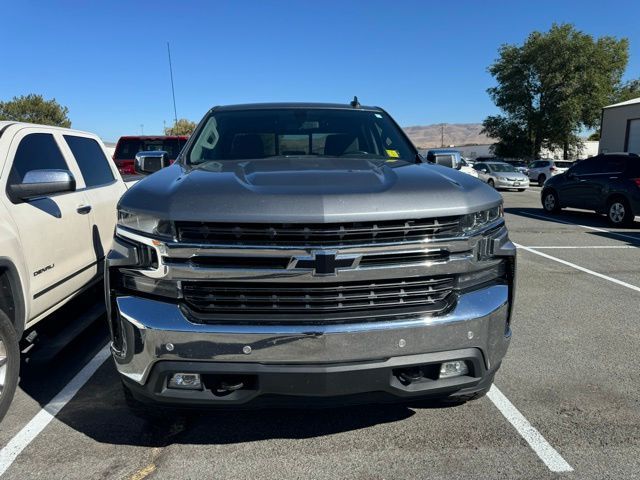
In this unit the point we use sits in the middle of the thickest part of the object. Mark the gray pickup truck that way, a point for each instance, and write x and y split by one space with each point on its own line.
307 252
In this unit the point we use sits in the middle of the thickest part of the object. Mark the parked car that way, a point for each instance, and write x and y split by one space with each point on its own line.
302 251
501 175
541 170
519 165
128 147
467 168
607 183
58 212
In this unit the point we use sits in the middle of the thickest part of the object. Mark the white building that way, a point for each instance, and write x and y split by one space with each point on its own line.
620 131
589 149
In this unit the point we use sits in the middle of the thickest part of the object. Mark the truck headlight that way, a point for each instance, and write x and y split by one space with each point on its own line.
146 224
480 277
473 222
139 283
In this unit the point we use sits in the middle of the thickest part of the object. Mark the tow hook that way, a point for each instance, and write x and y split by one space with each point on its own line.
410 375
225 387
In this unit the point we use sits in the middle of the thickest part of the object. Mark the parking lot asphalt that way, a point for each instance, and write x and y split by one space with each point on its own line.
571 372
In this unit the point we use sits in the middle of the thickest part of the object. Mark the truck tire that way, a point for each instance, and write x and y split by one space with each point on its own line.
9 363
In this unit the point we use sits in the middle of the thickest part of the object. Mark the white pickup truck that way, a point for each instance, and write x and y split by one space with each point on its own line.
58 196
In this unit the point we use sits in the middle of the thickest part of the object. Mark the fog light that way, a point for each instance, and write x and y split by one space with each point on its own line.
187 381
453 369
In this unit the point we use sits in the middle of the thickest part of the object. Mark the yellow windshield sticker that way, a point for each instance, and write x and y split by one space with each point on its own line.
393 153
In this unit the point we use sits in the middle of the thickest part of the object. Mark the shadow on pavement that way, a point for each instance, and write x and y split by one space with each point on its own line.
99 411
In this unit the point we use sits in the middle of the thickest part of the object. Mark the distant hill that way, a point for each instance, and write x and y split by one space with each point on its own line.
454 134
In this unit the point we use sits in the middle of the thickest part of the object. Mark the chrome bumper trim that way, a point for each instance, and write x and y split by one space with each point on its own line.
156 331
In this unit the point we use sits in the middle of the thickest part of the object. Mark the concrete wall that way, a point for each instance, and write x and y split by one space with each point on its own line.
614 126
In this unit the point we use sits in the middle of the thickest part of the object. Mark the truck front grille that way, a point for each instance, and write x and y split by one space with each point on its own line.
427 294
330 234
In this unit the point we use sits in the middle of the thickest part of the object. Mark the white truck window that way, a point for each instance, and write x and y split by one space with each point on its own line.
93 164
37 151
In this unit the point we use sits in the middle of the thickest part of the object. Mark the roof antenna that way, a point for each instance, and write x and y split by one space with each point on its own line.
355 103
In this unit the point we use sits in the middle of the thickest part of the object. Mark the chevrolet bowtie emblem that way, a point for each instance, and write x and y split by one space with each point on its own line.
325 262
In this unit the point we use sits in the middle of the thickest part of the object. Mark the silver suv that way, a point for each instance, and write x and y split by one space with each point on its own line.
306 251
541 170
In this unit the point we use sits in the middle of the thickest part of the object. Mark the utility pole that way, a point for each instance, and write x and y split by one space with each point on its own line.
442 135
173 92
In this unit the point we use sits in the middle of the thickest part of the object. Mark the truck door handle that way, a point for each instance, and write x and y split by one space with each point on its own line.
84 209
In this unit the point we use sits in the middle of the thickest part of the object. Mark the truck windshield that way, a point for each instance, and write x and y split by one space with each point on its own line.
299 132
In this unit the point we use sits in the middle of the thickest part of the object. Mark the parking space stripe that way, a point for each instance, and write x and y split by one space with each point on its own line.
578 267
32 429
553 219
549 455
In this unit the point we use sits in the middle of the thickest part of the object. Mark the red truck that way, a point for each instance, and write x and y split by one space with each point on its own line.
127 148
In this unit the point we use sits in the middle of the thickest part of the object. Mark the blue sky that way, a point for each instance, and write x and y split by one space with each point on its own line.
425 62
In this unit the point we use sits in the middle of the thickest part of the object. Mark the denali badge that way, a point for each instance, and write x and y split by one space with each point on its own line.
44 269
325 262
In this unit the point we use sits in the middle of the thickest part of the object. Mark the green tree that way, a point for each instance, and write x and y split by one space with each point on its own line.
34 108
595 136
181 127
552 87
627 91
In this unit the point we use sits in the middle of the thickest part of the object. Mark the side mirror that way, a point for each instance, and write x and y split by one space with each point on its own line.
456 162
150 162
40 183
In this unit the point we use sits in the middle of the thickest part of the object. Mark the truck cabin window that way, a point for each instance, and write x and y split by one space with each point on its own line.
298 132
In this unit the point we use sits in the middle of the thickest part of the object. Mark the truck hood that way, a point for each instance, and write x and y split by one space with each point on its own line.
295 190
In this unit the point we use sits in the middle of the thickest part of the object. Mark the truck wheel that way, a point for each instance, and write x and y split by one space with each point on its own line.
9 363
619 212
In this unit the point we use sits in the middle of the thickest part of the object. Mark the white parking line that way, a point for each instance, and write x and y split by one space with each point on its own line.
578 267
549 455
31 430
553 219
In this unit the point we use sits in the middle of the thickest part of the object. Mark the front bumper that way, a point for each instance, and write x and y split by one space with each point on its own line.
309 360
506 183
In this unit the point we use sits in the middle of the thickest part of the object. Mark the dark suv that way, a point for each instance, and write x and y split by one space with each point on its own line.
607 183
